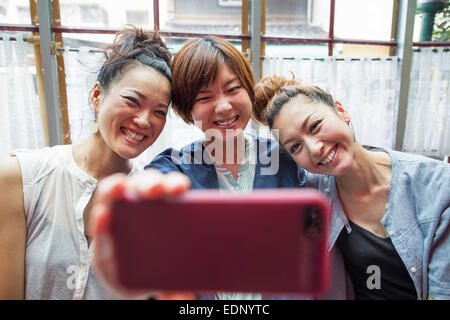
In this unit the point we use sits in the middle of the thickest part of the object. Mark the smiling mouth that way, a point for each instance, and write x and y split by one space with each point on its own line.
329 157
225 123
131 135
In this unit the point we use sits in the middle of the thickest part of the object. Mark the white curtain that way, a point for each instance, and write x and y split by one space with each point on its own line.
20 119
428 116
368 89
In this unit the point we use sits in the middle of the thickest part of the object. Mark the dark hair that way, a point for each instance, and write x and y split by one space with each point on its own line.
133 45
273 92
196 65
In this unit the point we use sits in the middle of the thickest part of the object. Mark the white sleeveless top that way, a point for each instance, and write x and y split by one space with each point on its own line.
58 260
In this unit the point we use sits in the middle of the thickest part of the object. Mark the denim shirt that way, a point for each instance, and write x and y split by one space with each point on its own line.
417 219
273 168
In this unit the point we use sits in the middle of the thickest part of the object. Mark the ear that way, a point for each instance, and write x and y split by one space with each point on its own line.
344 114
95 96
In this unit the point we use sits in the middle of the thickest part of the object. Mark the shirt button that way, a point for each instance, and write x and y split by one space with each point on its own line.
386 206
413 269
391 232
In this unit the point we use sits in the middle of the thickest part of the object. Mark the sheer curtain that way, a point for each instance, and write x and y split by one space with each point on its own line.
428 116
368 89
20 120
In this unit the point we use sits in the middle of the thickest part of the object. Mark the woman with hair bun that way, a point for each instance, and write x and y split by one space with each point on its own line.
46 248
391 210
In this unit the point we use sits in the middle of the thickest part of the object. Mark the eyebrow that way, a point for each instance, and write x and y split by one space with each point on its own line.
302 128
224 85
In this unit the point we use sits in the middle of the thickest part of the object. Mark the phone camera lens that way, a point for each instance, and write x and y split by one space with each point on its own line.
313 223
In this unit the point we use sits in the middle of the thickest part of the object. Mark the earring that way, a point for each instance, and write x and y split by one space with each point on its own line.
94 126
344 113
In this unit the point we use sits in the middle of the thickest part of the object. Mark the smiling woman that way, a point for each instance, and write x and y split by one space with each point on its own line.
45 246
391 210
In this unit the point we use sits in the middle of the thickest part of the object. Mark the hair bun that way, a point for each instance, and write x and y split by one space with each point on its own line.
265 90
133 41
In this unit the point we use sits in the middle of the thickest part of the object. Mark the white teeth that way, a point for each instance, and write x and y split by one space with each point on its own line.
225 123
132 135
329 158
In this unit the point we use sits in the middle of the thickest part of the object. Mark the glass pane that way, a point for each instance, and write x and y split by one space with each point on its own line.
432 22
20 121
204 16
301 18
175 43
295 50
107 14
82 59
357 50
364 20
17 11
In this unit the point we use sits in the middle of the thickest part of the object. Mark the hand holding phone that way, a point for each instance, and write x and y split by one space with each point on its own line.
268 241
150 184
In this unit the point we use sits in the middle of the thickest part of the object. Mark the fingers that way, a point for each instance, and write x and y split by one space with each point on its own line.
176 182
175 296
152 184
108 190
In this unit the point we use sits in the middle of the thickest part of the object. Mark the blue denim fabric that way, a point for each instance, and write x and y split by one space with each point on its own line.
417 219
194 162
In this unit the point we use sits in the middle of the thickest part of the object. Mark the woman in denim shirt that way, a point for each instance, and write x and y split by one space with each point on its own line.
395 207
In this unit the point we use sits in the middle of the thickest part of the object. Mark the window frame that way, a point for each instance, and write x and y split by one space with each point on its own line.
255 37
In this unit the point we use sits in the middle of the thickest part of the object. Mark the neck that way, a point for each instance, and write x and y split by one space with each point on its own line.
369 172
97 159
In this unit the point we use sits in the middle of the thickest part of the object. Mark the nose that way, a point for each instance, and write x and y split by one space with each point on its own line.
315 148
223 106
143 120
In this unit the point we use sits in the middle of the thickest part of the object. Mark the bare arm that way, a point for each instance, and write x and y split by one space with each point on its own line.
12 231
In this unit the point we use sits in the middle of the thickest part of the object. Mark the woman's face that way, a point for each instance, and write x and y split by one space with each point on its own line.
222 108
132 114
316 136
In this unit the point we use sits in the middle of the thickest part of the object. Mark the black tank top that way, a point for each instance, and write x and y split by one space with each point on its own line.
374 266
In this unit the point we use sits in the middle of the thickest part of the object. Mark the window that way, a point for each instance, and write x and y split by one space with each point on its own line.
200 16
93 13
140 18
230 3
304 30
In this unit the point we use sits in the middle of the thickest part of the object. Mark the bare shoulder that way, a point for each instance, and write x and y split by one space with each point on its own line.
10 169
10 173
11 194
12 231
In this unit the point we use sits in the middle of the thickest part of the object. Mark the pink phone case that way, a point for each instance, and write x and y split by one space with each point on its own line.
267 241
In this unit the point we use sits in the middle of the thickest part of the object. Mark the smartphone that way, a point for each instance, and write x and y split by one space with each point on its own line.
266 241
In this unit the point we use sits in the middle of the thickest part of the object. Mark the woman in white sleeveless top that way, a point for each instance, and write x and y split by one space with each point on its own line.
45 246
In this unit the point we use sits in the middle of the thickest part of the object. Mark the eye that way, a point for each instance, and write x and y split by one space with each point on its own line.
132 100
161 113
314 125
294 147
234 89
202 99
